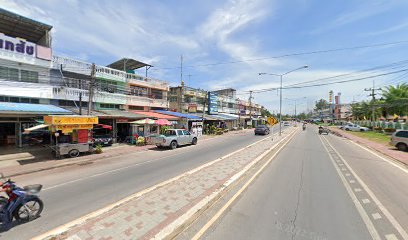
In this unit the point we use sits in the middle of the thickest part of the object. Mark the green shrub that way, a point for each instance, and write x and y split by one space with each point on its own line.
389 130
98 149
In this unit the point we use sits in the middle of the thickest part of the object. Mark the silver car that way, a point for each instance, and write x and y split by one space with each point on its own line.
399 140
173 138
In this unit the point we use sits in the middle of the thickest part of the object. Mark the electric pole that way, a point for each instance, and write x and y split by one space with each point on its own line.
80 96
181 69
250 106
91 88
372 90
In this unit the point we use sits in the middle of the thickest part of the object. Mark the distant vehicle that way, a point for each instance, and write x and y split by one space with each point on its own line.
399 140
286 124
355 128
262 129
323 130
173 138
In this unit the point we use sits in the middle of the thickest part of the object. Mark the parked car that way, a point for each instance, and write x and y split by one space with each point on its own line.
355 128
173 138
399 140
104 140
262 129
286 124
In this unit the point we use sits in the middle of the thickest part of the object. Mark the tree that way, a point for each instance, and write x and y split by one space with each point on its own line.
396 99
321 105
265 112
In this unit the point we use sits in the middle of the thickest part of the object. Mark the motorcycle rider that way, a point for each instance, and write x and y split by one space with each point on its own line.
304 126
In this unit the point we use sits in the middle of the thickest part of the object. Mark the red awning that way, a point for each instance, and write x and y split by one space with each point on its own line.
157 115
103 126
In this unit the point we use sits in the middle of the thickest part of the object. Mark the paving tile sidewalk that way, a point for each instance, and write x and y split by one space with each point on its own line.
143 217
386 150
47 162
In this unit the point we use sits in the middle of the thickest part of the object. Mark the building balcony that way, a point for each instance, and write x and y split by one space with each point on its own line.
28 90
66 93
144 101
71 65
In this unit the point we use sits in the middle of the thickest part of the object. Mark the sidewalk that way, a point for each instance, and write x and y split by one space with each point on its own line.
20 162
159 210
386 150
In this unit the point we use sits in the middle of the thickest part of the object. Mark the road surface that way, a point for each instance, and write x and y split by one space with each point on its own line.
72 192
310 191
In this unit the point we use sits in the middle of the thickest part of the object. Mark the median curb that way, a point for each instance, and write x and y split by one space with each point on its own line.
170 232
175 200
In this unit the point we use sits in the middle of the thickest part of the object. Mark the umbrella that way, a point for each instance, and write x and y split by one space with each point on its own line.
163 122
144 121
103 126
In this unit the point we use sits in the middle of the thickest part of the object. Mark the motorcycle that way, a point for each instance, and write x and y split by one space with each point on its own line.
304 127
22 204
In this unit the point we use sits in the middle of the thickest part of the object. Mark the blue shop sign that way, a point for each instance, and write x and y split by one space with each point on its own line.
212 103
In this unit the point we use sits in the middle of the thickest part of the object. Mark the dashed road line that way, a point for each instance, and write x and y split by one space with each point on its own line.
352 181
365 200
380 206
360 209
391 237
376 216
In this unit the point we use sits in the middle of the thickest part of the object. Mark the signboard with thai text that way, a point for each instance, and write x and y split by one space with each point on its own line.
212 103
17 45
66 120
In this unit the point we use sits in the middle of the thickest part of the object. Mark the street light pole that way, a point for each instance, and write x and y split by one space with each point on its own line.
280 106
280 97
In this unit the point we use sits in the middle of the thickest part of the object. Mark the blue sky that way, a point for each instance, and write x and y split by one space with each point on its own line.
158 32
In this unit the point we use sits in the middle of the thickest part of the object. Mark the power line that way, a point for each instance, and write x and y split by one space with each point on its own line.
288 55
324 84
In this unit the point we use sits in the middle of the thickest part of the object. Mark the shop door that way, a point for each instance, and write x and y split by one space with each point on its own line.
7 134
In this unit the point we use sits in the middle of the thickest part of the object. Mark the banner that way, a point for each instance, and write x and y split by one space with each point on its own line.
61 120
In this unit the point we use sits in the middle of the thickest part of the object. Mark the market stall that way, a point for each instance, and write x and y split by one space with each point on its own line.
71 135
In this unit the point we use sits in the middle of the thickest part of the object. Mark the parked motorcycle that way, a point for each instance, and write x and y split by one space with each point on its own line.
22 204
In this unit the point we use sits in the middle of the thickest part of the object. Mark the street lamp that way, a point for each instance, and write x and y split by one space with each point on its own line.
280 97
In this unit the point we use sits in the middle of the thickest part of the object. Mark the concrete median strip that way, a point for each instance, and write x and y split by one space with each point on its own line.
178 196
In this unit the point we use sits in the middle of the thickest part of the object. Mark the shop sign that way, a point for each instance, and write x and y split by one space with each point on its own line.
61 120
192 108
212 103
122 120
67 128
17 45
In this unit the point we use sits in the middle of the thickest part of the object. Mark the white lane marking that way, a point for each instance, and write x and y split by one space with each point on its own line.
200 233
357 189
348 174
352 181
343 169
376 216
136 164
366 219
391 237
83 219
366 201
381 157
341 164
385 211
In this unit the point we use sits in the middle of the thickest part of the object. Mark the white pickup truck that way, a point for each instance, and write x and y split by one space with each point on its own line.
173 138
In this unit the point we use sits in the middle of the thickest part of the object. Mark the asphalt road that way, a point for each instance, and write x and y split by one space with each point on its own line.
72 192
310 192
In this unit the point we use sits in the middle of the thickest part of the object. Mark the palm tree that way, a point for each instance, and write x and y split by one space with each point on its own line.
396 99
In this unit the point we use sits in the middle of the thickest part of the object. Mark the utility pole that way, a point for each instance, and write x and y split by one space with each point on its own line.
372 90
181 69
250 106
91 88
80 96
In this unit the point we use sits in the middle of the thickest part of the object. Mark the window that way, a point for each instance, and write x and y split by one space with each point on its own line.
173 99
168 133
4 99
136 107
29 76
403 134
35 101
106 105
107 86
138 91
14 99
9 74
25 100
157 94
185 132
180 132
